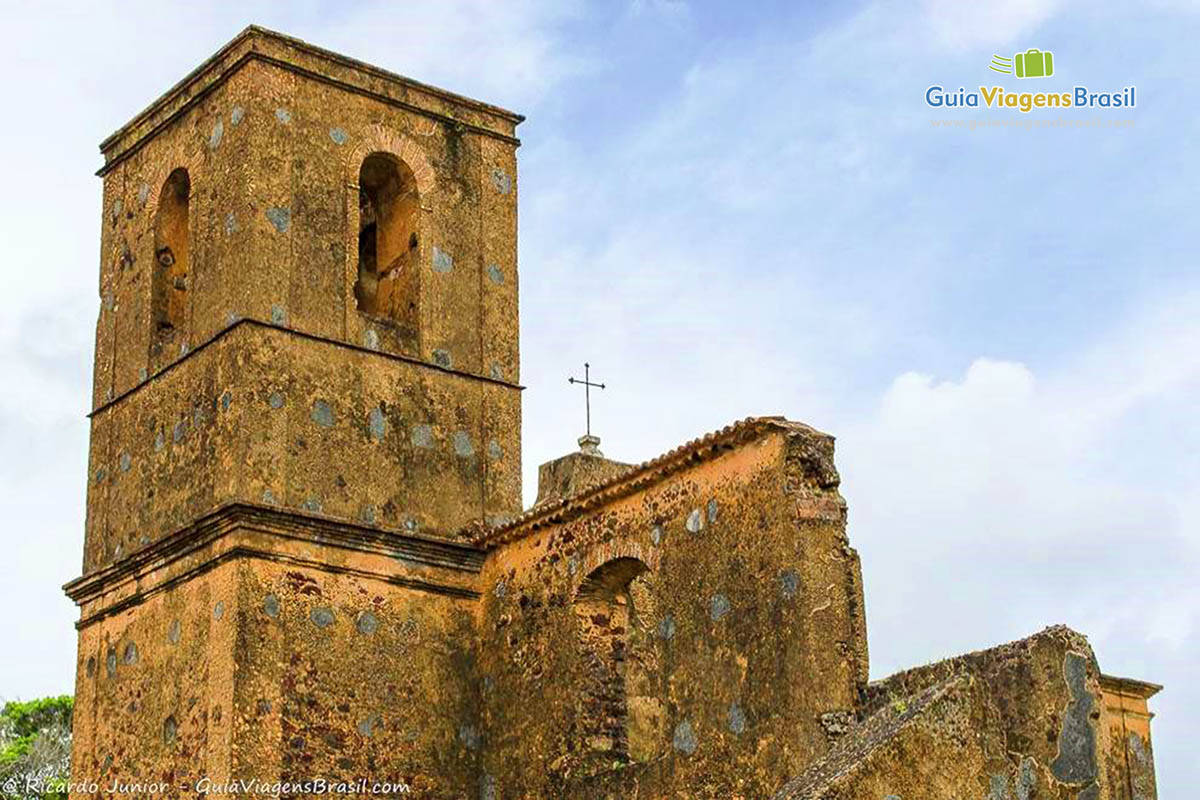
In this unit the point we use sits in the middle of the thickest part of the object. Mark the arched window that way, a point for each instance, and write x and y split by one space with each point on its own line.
170 281
388 243
620 719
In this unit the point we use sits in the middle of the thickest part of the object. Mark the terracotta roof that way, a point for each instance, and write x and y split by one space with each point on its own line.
635 478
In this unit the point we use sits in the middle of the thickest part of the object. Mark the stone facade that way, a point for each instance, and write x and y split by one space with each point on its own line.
305 556
576 472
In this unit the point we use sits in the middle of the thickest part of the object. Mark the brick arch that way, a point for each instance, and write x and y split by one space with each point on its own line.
174 158
378 139
611 622
613 576
614 549
395 300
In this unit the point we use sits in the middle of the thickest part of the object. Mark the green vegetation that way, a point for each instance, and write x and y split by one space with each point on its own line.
35 747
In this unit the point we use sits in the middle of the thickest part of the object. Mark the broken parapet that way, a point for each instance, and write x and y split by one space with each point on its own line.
1033 718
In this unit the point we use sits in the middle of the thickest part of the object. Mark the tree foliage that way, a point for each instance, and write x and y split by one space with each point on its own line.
35 746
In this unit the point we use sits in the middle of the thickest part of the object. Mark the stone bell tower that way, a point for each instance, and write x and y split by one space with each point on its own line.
306 380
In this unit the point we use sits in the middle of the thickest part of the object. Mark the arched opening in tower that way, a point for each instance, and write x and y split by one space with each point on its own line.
170 270
388 240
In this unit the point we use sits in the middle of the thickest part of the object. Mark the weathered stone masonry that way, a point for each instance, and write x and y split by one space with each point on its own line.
305 555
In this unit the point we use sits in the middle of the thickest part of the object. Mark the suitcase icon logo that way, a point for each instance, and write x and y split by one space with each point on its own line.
1033 63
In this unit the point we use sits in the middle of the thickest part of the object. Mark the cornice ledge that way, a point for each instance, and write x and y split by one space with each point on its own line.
283 523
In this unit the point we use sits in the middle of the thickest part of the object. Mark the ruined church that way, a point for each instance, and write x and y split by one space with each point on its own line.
306 557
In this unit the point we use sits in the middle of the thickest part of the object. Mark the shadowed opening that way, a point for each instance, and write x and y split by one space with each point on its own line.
170 281
388 241
620 720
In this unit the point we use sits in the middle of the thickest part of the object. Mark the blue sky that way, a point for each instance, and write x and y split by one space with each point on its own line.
735 209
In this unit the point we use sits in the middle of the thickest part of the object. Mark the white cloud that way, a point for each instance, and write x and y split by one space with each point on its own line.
505 53
996 23
990 505
1036 447
675 11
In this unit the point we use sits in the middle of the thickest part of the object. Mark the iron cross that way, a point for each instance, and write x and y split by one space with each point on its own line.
587 392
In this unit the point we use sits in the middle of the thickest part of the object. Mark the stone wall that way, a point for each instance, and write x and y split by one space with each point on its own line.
262 647
273 151
265 417
151 700
1014 722
272 386
349 678
264 594
683 634
1129 755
